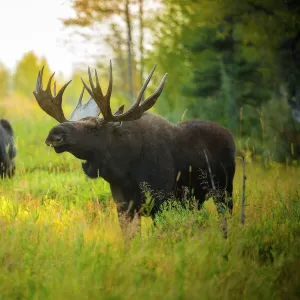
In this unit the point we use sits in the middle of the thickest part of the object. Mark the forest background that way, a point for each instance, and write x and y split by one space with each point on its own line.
234 62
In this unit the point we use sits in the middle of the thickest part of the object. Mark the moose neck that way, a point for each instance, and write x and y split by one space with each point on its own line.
104 168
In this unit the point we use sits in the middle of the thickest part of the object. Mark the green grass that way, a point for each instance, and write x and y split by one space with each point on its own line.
60 237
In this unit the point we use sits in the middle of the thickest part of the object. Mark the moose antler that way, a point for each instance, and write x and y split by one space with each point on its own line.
52 105
135 111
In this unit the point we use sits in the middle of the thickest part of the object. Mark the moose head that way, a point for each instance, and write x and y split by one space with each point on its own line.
77 135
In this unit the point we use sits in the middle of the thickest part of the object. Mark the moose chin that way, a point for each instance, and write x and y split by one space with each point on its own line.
128 149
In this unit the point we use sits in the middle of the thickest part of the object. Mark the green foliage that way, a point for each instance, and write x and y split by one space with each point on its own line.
168 51
185 216
60 236
118 16
281 134
51 248
25 76
223 57
4 81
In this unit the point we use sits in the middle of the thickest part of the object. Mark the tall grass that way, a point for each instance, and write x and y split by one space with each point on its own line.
60 237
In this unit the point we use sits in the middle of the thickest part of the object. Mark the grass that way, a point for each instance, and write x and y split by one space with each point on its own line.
60 237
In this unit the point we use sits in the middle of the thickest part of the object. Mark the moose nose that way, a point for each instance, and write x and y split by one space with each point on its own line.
53 140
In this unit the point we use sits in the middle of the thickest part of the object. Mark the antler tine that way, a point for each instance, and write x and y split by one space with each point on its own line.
96 93
86 86
141 93
51 105
136 110
119 110
91 79
97 82
110 83
41 78
104 101
61 91
37 82
49 83
140 96
109 92
150 101
80 97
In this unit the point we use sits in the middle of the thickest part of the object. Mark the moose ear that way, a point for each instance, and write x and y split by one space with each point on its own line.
6 125
119 111
116 125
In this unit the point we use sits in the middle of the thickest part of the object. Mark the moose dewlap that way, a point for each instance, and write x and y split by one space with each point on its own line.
131 148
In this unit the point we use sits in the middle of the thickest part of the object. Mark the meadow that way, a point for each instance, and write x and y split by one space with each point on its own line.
60 237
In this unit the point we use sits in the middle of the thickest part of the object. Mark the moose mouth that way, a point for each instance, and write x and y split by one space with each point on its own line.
60 149
59 145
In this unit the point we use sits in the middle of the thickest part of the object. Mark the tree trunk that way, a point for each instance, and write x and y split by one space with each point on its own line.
129 50
141 20
228 63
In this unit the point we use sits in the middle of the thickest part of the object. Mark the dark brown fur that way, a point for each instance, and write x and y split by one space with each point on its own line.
7 149
154 151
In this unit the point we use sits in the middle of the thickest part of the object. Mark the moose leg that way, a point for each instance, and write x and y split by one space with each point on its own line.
125 202
224 187
226 196
223 201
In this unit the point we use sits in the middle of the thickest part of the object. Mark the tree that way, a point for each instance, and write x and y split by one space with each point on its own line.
171 57
4 81
227 57
271 30
230 52
141 43
24 78
95 12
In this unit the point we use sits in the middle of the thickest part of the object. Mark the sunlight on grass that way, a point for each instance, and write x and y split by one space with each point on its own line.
60 236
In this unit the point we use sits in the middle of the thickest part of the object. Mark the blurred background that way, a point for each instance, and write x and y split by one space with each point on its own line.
234 62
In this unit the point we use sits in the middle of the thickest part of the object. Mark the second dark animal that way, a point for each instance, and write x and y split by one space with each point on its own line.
7 149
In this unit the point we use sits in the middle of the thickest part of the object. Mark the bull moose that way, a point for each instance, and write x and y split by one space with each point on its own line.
7 149
134 147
